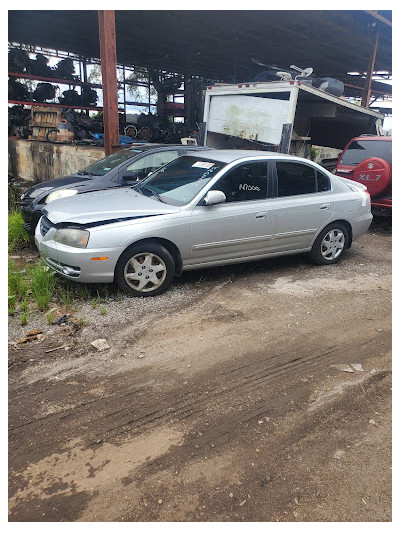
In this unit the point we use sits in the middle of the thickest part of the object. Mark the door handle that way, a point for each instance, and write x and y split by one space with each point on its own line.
262 215
324 206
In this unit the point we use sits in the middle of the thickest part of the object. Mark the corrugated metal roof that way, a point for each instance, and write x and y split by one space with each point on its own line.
219 45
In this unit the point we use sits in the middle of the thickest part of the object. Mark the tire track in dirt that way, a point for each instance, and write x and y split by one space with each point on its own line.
265 376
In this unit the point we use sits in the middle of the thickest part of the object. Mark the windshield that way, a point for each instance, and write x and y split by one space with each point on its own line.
179 182
360 150
100 168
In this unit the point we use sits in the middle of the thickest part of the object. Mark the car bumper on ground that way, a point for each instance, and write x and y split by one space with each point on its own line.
79 264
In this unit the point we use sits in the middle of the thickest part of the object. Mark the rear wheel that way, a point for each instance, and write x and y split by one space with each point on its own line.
145 270
330 244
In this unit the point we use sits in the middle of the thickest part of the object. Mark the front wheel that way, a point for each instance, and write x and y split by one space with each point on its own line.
145 270
330 244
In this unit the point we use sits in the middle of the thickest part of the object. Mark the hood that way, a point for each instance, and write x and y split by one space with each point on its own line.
47 186
109 204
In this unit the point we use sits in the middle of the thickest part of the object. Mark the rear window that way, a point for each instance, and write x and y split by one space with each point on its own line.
363 149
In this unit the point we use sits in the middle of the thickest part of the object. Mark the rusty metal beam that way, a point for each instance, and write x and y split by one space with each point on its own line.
367 90
108 56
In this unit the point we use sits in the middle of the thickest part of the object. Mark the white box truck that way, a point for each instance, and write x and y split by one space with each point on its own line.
283 116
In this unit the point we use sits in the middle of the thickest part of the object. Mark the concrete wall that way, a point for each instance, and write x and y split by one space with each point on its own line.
323 152
37 161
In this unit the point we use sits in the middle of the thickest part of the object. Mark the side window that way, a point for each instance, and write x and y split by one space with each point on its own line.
246 182
152 162
295 178
323 182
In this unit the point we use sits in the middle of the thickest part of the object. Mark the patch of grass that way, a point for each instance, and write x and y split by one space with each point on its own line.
17 236
17 284
120 296
43 284
11 305
23 320
38 284
66 298
82 291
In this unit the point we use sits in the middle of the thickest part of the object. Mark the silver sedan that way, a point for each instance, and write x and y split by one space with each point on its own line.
203 210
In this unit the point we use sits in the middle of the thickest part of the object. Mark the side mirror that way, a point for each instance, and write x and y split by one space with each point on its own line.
214 197
129 176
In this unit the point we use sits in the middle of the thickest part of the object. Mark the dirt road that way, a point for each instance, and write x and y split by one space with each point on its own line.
218 401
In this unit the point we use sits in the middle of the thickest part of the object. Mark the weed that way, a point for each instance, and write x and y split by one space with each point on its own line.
17 236
103 293
43 283
103 310
96 301
199 281
83 322
82 291
66 297
120 296
313 153
13 196
11 305
23 320
50 318
17 285
24 306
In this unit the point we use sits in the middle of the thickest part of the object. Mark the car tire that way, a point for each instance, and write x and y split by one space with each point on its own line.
145 269
330 244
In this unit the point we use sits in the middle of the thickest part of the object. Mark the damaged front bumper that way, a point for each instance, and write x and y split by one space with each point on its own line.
86 265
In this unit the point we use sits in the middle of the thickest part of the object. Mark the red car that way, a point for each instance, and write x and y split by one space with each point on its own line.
368 160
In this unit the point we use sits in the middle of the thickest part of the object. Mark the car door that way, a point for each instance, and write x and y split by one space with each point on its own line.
303 204
241 226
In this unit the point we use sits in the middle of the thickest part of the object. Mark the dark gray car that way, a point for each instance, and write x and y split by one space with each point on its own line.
116 170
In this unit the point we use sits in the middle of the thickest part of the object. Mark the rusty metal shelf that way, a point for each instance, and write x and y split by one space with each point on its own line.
27 76
63 106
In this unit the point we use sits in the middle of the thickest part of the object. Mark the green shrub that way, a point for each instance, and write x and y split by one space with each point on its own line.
17 236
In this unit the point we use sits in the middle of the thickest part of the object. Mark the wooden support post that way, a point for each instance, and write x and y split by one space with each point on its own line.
108 56
371 65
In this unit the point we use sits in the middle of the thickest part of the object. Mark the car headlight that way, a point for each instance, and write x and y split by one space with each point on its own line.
62 193
78 238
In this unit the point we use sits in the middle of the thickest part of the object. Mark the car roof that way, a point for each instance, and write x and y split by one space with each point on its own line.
150 146
227 156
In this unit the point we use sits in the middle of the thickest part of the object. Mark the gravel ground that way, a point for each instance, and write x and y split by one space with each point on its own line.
256 392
